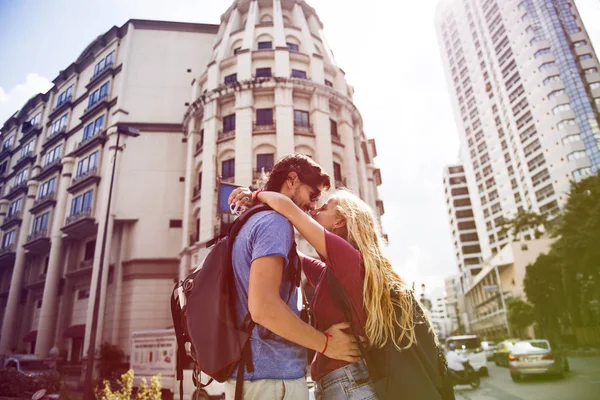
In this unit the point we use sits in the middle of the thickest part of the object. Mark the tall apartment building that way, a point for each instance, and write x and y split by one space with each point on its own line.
525 90
56 162
272 87
263 83
463 226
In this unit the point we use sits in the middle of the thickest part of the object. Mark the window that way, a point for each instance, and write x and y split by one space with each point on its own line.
263 72
265 162
65 96
565 122
582 173
8 143
265 45
87 164
561 108
297 73
301 118
236 50
59 124
175 223
547 65
83 294
15 207
595 85
21 177
90 250
337 172
81 203
293 47
53 155
541 52
576 155
3 167
229 123
35 120
556 93
333 128
98 95
47 188
328 83
585 57
9 239
28 148
579 43
104 63
590 71
571 139
93 128
40 223
228 168
264 116
229 79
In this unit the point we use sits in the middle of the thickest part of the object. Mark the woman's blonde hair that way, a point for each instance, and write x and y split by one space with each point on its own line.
383 289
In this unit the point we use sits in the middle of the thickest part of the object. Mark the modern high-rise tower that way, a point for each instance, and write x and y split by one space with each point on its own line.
525 88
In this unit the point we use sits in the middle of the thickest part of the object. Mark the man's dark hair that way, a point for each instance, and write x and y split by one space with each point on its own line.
308 171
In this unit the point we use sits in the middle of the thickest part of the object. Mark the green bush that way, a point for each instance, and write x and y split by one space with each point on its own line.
13 383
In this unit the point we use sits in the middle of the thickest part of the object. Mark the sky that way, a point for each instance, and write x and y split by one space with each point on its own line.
389 52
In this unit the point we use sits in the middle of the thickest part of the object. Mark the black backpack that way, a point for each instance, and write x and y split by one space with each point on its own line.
419 372
203 307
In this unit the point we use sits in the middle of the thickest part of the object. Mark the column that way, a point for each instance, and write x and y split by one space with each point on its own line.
118 282
244 117
362 169
47 323
282 55
346 130
244 57
105 270
192 138
317 73
284 119
12 304
66 303
322 129
209 173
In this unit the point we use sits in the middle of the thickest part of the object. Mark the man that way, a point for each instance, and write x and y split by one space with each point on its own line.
261 268
455 361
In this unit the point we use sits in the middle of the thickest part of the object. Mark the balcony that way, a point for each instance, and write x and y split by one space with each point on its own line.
303 129
229 179
12 220
98 105
38 242
88 143
6 151
377 176
42 202
16 190
61 107
54 137
88 177
29 131
199 148
264 127
7 255
80 269
197 193
336 139
99 75
80 225
225 135
24 159
380 208
48 169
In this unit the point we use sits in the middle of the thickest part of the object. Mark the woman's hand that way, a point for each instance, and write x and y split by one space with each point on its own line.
242 197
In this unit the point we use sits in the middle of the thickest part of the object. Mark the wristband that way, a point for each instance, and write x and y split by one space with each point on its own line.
327 336
255 195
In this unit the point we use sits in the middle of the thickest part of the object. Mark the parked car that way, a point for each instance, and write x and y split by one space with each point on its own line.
502 351
30 365
470 346
489 348
532 357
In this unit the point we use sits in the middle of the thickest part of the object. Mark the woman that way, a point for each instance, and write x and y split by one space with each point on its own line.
345 233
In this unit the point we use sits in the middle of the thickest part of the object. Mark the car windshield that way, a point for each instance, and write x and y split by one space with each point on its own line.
491 344
462 344
35 365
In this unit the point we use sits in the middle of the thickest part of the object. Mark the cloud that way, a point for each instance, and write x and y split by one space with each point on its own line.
13 99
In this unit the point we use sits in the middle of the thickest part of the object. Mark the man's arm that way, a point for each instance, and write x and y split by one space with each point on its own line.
269 310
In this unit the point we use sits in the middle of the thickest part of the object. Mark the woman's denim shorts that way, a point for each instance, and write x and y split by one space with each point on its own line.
350 382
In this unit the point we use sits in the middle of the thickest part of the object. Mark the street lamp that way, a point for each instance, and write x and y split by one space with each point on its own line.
88 393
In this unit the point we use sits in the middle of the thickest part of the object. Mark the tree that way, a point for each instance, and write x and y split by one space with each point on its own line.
520 315
523 221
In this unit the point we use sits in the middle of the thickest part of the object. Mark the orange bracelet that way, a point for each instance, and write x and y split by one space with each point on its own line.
327 336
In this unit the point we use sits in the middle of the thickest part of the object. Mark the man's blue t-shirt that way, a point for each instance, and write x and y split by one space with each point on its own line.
267 233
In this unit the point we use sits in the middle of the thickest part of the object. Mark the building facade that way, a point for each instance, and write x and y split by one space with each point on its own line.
263 84
524 83
272 87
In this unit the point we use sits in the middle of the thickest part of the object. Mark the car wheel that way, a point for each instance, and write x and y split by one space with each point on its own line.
567 367
515 376
484 372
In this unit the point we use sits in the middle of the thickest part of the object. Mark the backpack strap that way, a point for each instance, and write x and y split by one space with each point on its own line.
176 314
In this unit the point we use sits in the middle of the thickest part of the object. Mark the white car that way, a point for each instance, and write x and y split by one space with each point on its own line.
470 346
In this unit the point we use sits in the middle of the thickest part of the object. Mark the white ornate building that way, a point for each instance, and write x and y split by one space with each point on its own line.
272 87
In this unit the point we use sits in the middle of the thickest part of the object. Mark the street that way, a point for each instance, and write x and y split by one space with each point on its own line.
582 383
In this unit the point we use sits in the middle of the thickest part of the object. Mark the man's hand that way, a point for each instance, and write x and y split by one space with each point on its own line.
241 196
342 346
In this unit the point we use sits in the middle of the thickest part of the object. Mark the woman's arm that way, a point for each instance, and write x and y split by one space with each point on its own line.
308 227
